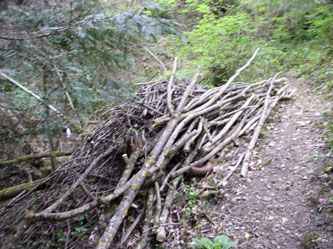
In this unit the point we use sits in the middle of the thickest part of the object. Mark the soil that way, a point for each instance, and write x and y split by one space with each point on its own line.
285 202
276 207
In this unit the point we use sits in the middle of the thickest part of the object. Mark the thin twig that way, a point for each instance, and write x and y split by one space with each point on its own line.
30 92
131 228
68 234
255 136
156 58
169 96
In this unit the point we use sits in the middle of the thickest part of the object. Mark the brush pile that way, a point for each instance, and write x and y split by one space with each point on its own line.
134 161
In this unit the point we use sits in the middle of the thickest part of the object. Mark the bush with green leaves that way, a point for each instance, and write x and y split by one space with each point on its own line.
328 134
225 32
219 242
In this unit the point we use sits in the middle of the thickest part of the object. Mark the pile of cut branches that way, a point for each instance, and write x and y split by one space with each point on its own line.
174 127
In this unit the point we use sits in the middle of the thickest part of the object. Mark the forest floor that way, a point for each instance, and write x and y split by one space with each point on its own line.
286 200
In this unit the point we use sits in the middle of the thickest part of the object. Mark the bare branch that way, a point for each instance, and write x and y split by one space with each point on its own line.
164 69
169 97
255 136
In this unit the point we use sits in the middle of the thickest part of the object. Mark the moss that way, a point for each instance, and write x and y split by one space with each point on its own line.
288 101
314 201
261 135
309 240
45 171
10 192
330 212
323 191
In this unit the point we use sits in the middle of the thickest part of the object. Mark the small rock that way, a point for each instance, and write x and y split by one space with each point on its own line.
248 235
267 198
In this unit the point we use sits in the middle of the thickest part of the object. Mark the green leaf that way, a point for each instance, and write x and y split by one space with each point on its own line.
284 220
207 243
309 171
223 240
197 241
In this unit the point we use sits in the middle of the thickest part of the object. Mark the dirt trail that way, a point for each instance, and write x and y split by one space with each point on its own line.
278 205
272 209
281 204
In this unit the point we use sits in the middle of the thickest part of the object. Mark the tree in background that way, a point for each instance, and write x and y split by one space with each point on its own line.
224 32
72 54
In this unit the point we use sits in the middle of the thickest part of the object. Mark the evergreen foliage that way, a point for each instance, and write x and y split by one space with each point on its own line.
69 53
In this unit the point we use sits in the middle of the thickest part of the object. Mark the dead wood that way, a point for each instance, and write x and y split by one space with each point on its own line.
35 156
11 192
161 232
197 171
174 126
255 136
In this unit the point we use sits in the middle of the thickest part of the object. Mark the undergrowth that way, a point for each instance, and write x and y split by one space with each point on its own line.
220 35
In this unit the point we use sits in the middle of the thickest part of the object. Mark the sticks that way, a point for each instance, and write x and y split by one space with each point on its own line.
116 220
179 128
77 183
161 233
131 228
255 136
156 58
188 91
148 220
225 179
169 96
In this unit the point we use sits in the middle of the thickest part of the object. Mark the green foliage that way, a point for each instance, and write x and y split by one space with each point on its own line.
308 240
192 196
219 242
72 55
225 33
320 23
86 54
328 135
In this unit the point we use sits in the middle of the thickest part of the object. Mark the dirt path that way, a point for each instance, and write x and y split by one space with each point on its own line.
282 203
272 209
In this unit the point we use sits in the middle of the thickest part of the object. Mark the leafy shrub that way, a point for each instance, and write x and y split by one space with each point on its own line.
223 34
219 242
